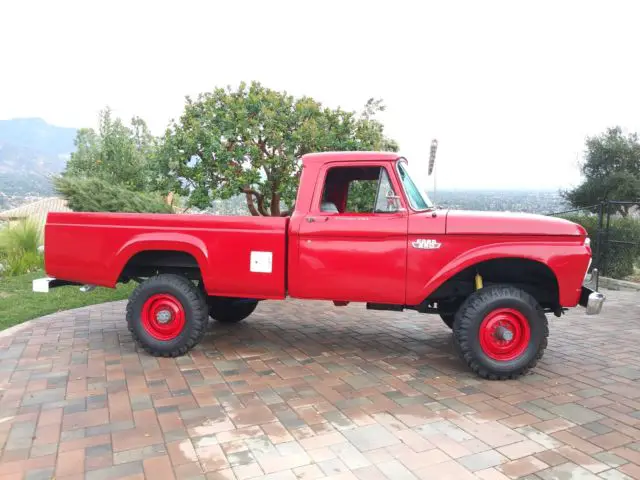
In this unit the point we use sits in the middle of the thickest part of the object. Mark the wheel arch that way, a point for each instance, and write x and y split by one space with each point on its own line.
531 275
154 253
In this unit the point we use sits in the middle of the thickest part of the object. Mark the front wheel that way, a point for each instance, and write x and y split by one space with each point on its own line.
500 332
167 315
230 310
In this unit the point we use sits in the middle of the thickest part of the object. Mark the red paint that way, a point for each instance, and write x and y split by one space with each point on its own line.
163 317
504 223
492 340
350 257
321 255
566 256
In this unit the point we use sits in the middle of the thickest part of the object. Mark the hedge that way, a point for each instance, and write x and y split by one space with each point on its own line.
618 260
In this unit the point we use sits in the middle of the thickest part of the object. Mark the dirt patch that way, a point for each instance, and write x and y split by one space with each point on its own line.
6 295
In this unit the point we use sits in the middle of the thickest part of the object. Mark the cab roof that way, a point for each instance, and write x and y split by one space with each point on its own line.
324 157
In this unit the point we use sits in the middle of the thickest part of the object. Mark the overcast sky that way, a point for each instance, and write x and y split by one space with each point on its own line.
510 89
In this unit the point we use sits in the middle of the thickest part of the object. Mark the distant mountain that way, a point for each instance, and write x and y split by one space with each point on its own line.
30 151
37 135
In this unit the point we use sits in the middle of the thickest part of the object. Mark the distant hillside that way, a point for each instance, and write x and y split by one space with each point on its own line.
534 201
30 151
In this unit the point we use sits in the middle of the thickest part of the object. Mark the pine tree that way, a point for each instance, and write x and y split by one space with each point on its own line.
95 195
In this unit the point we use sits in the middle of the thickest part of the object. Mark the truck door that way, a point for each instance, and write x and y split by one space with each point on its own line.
352 243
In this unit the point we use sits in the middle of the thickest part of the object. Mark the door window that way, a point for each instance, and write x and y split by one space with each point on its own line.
359 190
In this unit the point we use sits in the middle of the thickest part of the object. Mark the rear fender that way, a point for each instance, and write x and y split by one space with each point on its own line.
178 242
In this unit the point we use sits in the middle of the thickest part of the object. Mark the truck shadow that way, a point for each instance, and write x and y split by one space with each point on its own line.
340 339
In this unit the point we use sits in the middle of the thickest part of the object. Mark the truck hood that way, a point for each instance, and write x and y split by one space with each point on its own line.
503 223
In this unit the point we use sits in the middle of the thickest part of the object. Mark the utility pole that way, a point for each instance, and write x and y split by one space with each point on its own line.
432 164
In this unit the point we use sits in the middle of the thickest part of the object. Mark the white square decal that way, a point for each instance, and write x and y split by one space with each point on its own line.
261 262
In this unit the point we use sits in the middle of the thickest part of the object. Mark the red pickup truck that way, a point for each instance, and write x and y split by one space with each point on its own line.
491 277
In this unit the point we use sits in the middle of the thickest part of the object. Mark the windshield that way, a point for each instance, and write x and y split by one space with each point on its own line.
417 196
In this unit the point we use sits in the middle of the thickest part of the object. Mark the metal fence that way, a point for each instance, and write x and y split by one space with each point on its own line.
614 227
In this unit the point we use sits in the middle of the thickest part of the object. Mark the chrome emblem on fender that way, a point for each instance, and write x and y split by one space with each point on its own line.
426 244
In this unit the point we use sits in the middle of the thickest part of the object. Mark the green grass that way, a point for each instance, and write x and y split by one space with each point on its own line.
19 304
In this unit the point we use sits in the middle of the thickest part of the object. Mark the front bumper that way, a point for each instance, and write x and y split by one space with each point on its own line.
591 300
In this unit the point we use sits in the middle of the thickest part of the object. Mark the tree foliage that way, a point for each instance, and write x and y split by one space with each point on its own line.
117 153
611 170
249 140
98 195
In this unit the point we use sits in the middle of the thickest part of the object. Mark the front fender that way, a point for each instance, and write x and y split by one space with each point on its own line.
568 260
172 241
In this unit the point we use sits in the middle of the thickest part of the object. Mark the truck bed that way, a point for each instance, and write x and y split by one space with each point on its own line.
238 256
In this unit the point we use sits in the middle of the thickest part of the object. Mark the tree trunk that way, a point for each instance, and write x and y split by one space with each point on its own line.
251 206
275 204
260 210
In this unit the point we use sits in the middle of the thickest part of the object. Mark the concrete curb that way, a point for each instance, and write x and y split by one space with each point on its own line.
16 328
614 284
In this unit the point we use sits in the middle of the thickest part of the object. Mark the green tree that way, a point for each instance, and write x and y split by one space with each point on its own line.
611 170
117 153
248 140
97 195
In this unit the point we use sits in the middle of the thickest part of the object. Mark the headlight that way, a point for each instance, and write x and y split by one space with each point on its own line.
587 242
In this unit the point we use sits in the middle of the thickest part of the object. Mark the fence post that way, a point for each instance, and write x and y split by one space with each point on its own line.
606 236
597 254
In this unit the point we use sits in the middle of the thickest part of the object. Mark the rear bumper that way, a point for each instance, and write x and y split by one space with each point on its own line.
591 300
43 285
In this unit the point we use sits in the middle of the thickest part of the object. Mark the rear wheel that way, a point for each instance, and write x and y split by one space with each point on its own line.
500 332
167 315
230 310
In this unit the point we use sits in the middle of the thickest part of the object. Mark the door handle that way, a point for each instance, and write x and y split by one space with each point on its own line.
311 219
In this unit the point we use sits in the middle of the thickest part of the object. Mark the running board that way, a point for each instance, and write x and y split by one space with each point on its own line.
385 306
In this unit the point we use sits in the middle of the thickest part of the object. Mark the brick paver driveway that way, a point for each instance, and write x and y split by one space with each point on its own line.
306 390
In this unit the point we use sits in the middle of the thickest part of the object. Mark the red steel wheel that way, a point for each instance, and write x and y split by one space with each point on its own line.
500 331
163 316
167 315
504 334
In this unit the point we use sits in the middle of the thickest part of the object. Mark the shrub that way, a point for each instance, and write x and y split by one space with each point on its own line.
617 260
19 264
95 195
19 248
22 237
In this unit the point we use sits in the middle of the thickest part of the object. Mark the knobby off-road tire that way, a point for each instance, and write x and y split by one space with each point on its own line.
167 315
229 310
479 337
